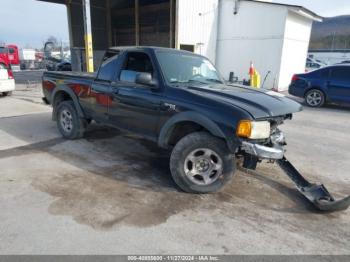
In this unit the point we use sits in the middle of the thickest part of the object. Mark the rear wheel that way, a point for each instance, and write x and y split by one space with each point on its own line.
69 124
201 163
315 98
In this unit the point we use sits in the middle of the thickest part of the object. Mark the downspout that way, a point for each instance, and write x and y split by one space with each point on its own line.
218 31
236 7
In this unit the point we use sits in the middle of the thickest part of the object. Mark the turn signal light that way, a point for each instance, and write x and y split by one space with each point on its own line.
244 128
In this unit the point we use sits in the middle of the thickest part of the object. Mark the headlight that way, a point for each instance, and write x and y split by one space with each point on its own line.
253 129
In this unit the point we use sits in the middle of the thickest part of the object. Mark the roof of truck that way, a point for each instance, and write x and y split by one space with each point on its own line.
155 48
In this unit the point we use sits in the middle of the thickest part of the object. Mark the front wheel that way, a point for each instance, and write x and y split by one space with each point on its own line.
201 163
315 98
69 124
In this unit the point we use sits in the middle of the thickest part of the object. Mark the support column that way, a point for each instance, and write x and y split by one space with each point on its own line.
171 31
69 16
137 23
88 36
109 22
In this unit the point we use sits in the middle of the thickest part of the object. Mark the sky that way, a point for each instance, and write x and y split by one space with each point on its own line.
30 22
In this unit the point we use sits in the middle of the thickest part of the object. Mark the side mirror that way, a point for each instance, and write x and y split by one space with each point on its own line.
145 79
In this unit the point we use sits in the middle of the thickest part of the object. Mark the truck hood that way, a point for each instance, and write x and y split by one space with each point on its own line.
260 103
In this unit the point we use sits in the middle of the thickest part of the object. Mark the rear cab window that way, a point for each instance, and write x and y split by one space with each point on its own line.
108 66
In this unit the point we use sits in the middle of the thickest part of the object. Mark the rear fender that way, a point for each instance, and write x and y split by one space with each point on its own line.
62 88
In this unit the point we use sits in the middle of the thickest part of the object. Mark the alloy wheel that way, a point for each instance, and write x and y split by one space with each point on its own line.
203 166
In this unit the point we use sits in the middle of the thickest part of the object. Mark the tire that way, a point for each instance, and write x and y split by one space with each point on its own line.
195 163
7 93
315 98
70 125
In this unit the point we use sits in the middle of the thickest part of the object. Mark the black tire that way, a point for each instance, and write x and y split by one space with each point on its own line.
7 93
77 125
196 142
315 98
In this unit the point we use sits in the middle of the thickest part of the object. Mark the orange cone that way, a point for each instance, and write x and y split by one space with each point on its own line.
251 69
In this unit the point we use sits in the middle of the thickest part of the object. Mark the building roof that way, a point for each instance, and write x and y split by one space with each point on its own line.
295 8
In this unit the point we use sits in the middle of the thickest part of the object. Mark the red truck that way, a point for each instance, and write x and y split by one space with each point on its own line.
4 61
9 55
13 56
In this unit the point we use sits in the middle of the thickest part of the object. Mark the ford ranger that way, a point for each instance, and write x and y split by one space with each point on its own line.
179 100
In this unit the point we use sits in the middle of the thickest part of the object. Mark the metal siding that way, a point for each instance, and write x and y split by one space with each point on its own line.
295 47
194 28
257 33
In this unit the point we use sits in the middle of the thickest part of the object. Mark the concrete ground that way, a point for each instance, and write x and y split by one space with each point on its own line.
112 193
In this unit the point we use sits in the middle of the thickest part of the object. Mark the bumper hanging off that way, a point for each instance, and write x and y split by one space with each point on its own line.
318 195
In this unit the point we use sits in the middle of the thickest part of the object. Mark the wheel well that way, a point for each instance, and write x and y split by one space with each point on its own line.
182 129
59 97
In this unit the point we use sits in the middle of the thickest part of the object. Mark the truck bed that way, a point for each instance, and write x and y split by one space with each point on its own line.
68 75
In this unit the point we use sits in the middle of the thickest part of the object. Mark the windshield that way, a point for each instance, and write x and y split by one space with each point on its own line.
186 68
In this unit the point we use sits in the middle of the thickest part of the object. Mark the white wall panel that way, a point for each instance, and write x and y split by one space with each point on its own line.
295 47
254 34
197 23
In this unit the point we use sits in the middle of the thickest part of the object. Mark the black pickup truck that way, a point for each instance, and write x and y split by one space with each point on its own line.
178 100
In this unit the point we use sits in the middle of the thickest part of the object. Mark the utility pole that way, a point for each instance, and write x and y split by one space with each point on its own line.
88 36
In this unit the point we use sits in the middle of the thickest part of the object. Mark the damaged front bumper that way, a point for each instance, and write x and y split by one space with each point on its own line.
262 152
318 195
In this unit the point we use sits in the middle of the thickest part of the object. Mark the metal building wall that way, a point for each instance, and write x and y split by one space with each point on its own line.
197 24
254 34
295 46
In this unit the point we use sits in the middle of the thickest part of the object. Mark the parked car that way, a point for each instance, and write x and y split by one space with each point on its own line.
7 82
64 66
310 66
328 84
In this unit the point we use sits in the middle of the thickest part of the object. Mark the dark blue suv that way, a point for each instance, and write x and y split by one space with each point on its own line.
328 84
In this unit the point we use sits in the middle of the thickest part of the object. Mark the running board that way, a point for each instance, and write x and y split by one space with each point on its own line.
318 195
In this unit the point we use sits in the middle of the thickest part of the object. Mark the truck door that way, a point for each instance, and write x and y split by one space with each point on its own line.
136 107
98 99
339 84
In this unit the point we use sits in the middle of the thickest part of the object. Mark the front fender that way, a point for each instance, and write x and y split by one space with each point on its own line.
194 117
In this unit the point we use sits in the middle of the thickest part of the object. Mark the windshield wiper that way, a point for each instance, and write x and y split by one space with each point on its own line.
196 81
188 82
213 80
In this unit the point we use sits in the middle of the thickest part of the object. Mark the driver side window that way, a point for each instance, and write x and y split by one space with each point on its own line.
135 62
